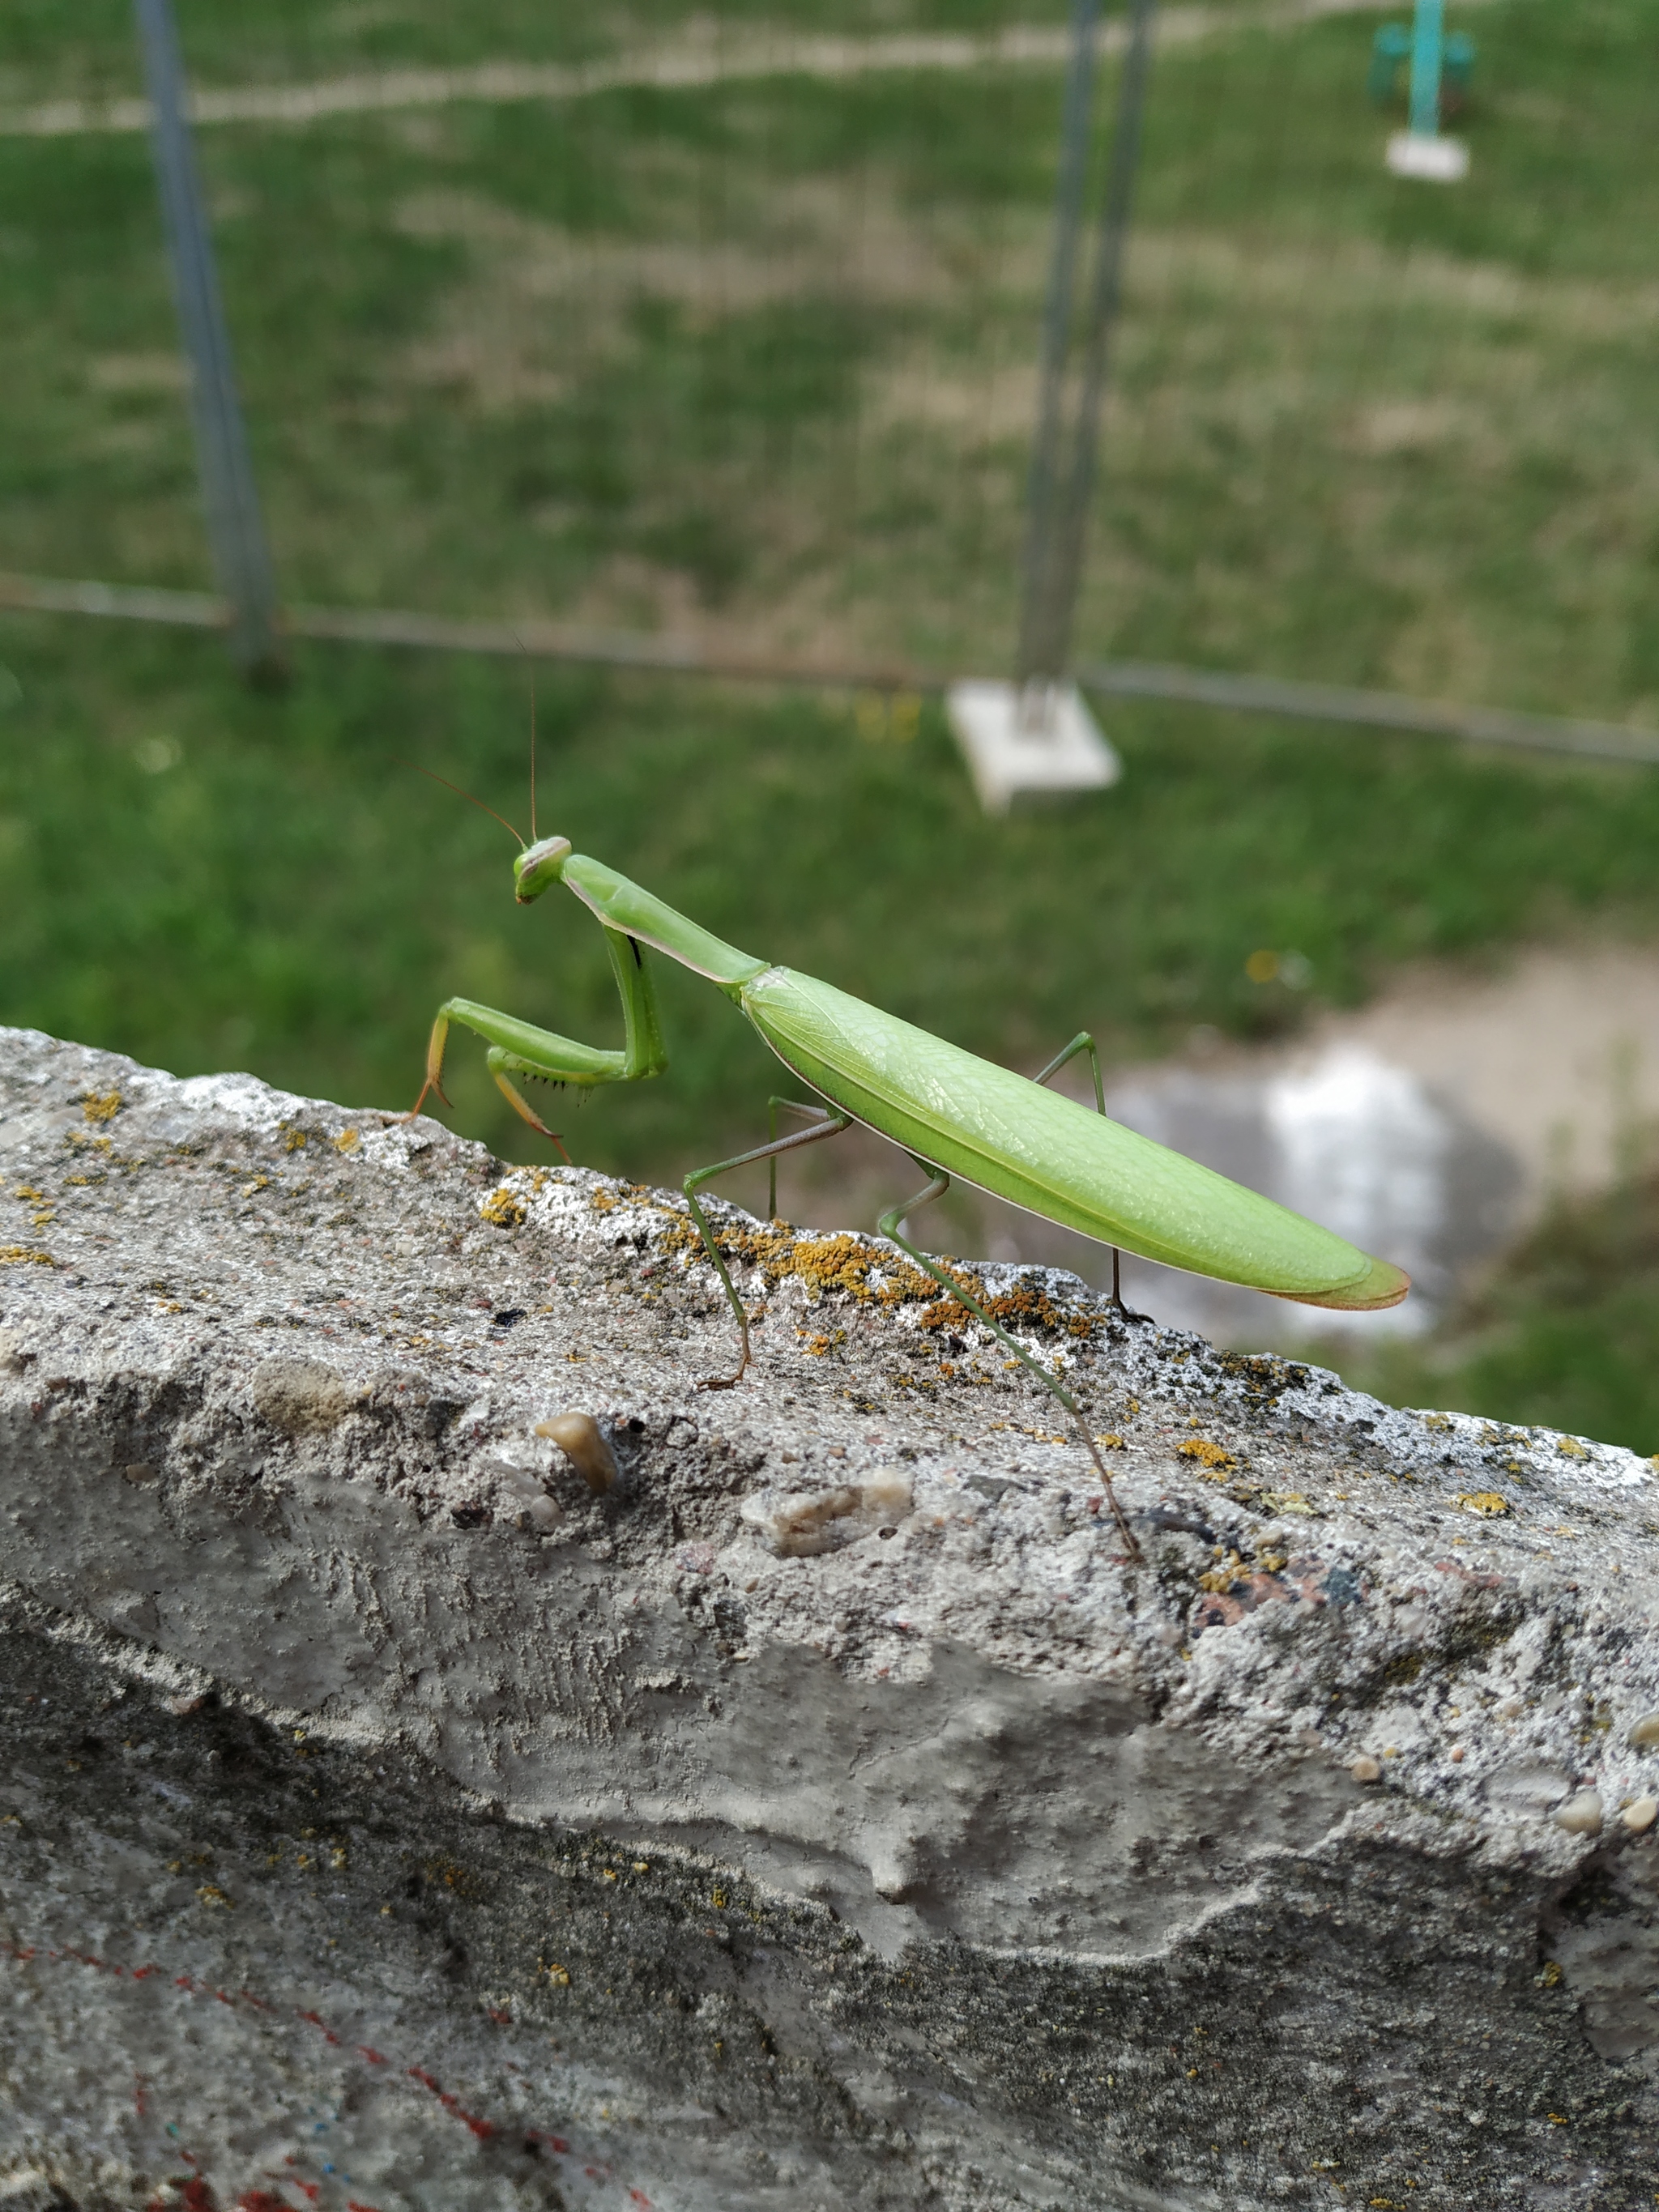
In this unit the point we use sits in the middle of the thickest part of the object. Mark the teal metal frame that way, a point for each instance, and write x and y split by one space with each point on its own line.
1442 65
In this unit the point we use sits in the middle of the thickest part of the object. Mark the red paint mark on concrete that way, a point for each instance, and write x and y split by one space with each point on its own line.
452 2103
262 2200
197 2194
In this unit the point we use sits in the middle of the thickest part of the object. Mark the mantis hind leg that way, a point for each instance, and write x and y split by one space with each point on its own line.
888 1227
1084 1042
831 1125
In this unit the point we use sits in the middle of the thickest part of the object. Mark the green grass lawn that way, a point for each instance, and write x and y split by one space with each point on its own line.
757 359
755 362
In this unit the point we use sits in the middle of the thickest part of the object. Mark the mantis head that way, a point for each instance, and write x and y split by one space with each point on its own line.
539 865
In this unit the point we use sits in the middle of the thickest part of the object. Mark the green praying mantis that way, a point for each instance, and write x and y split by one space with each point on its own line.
960 1118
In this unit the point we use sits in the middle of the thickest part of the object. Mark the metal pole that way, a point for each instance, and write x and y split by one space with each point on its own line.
236 536
1071 531
1032 662
1427 24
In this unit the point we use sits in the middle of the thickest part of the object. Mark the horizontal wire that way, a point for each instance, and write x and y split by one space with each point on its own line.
671 656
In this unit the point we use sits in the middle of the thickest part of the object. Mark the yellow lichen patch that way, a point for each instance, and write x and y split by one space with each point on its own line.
558 1975
1111 1443
1571 1447
1222 1579
1026 1307
1437 1420
20 1256
210 1893
605 1202
103 1107
294 1140
1487 1503
346 1141
503 1209
845 1264
1213 1457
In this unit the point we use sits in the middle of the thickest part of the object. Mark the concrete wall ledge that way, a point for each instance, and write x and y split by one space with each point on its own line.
825 1813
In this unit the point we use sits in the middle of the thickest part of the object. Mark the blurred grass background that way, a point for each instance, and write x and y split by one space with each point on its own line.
755 362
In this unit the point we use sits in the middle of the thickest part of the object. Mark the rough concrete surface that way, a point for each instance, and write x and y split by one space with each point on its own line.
827 1814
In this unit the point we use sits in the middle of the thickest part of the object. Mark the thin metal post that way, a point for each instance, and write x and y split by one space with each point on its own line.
1427 42
1032 658
1072 527
236 535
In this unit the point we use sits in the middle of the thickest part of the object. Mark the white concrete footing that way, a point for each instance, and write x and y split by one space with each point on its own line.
1029 743
1425 154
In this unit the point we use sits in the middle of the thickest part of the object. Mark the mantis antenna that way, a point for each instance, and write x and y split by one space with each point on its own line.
530 664
459 793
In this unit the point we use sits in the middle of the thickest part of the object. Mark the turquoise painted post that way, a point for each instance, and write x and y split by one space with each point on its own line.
1427 29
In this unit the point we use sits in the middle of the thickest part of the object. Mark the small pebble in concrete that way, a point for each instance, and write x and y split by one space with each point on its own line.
578 1437
1641 1814
302 1396
1366 1768
1581 1815
1645 1734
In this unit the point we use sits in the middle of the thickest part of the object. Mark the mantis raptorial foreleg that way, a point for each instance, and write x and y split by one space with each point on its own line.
518 1047
831 1126
888 1226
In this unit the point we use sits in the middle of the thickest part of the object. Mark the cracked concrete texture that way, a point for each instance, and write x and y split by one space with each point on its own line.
828 1812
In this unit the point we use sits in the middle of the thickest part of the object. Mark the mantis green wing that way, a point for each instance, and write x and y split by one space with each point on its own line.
1042 1150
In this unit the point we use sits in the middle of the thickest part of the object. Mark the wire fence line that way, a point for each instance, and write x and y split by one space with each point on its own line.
1333 704
746 385
694 63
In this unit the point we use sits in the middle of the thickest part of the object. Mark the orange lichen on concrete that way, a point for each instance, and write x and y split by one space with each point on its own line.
844 1264
1211 1455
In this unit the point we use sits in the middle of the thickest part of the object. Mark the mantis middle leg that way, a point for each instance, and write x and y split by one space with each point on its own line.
831 1125
1084 1042
888 1227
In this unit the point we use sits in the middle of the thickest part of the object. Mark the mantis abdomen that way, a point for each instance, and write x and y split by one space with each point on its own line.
1042 1150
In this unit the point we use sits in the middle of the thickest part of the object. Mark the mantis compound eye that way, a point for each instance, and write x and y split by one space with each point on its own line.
537 866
